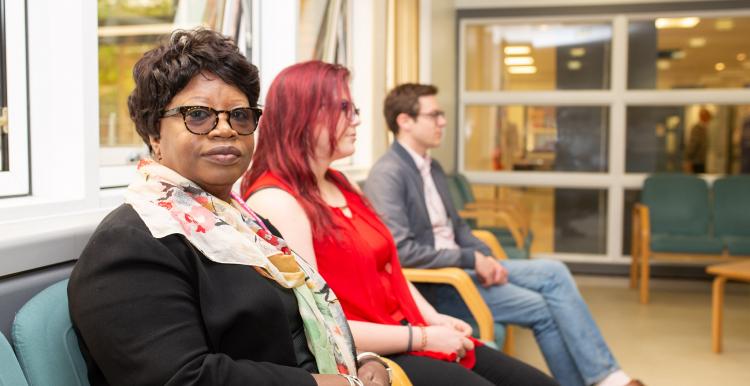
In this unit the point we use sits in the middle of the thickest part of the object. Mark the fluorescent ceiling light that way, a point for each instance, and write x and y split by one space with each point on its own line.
517 50
574 65
663 64
522 70
720 66
697 42
519 61
679 54
577 52
741 56
677 22
724 24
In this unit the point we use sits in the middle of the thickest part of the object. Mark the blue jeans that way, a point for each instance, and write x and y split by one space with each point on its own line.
542 296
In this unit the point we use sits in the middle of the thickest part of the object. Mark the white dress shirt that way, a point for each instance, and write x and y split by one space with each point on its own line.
442 227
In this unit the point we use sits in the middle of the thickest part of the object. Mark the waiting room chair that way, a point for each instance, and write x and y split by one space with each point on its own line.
514 233
45 342
731 204
460 280
672 220
10 371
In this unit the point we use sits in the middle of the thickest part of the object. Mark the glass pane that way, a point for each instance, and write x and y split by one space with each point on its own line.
690 138
561 220
689 52
127 29
323 31
537 56
549 138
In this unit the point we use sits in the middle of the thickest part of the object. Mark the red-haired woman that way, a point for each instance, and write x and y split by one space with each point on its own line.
310 121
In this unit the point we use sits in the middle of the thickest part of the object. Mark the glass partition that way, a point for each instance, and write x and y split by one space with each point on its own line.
689 52
537 56
699 138
536 138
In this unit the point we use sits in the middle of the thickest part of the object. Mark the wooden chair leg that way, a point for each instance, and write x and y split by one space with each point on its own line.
634 269
510 341
645 272
717 317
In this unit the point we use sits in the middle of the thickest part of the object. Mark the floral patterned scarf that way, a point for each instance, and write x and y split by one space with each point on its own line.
226 233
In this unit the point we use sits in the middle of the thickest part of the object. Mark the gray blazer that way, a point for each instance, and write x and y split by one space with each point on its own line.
395 189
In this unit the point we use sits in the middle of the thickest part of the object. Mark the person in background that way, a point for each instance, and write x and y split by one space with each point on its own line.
309 122
183 284
410 192
697 145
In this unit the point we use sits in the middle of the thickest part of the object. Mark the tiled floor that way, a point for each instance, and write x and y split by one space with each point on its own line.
667 342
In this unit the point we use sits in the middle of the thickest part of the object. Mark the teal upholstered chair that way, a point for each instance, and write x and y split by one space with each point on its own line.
45 342
10 370
514 237
673 218
731 204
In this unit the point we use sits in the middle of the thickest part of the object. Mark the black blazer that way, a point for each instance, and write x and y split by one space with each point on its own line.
153 311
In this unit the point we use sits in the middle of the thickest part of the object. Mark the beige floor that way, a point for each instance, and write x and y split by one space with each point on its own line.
667 342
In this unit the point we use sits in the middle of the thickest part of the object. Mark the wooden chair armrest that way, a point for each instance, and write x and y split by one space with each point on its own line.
461 281
491 241
399 376
513 227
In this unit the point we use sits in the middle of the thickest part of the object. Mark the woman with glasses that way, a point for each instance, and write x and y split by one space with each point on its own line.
183 284
309 122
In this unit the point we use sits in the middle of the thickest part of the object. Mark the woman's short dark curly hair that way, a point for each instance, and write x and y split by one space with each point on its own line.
165 70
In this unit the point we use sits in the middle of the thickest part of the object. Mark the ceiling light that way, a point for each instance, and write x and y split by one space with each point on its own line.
677 22
522 70
517 50
697 42
574 65
519 61
724 24
679 54
577 52
741 56
663 64
720 66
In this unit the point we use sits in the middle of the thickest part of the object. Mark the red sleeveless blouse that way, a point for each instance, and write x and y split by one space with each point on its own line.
360 262
361 265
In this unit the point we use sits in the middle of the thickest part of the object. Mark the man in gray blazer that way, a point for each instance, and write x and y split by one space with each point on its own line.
410 192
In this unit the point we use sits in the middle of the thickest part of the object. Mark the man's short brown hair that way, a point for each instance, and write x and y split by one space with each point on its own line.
405 99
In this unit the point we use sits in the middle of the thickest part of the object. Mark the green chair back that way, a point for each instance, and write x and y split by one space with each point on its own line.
678 204
464 187
10 370
731 202
45 342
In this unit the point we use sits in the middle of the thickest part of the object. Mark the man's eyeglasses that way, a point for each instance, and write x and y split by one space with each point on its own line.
349 109
435 115
200 120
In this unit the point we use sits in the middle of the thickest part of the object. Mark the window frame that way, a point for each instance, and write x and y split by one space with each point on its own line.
15 181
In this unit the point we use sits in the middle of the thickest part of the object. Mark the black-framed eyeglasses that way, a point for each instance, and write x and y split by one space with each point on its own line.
200 120
350 109
435 115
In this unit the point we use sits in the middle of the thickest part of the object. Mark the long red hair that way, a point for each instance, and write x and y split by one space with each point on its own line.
301 98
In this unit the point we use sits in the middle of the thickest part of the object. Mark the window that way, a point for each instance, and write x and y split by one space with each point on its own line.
673 138
582 107
537 56
536 138
127 29
14 133
689 52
